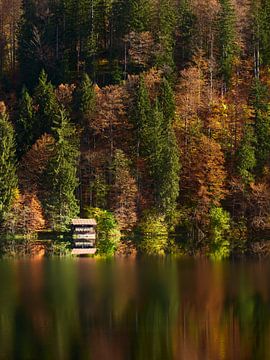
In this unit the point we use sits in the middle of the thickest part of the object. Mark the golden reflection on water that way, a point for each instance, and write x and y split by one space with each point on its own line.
146 309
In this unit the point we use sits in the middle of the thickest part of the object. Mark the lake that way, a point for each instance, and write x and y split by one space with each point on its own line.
134 309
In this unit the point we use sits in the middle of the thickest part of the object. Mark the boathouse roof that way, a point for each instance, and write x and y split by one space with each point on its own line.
77 222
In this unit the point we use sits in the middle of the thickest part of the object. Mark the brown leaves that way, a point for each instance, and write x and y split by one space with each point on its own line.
203 174
26 216
34 163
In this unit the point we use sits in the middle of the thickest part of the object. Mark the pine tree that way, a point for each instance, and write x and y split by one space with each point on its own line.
61 175
227 40
85 99
140 15
186 29
246 155
28 44
25 123
167 102
141 117
48 107
164 163
260 102
169 176
166 26
263 30
8 177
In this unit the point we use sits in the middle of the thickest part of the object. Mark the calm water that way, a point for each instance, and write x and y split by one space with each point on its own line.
144 309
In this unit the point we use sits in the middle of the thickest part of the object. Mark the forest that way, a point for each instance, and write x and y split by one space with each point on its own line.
151 115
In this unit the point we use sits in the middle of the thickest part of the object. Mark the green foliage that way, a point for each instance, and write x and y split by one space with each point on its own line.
141 117
48 107
167 103
140 15
108 231
100 188
85 98
262 30
152 233
61 175
25 123
227 40
219 227
167 20
262 130
186 26
259 99
8 177
246 159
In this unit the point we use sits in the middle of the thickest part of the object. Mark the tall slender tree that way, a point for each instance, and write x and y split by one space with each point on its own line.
25 123
48 107
8 177
61 175
227 40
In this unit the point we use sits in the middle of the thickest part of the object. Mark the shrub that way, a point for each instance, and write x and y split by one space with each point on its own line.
152 234
219 227
108 231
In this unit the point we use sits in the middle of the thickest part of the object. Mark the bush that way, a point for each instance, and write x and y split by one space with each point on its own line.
152 234
108 231
219 228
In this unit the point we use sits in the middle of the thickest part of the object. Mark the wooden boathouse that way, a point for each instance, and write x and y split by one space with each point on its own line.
84 236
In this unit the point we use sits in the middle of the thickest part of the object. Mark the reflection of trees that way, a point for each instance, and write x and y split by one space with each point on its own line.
132 310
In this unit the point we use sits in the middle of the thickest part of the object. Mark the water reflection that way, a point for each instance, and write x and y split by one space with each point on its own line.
159 309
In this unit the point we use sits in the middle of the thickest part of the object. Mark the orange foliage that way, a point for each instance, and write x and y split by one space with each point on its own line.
34 163
203 174
26 216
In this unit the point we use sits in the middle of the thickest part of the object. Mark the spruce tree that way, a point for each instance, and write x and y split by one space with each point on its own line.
167 21
186 30
141 117
48 107
29 62
25 123
246 155
227 40
169 176
164 163
167 102
263 30
61 175
85 99
140 15
260 102
8 177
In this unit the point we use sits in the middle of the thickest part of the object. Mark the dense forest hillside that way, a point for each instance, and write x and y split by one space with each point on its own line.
152 114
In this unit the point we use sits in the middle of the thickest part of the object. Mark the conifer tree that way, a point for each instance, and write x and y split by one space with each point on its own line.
260 102
166 26
27 45
263 30
140 15
169 176
8 177
167 102
85 98
227 40
141 116
163 163
25 123
61 175
48 107
186 28
246 155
